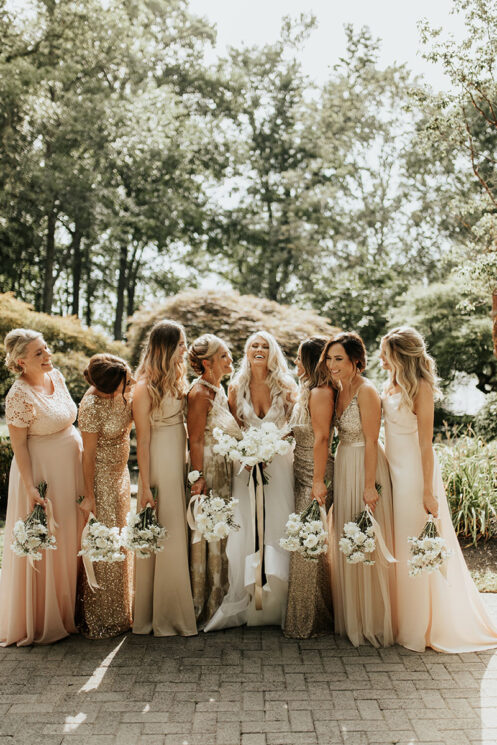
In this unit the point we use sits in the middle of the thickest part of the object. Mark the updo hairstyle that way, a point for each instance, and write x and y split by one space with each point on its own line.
106 372
16 342
203 348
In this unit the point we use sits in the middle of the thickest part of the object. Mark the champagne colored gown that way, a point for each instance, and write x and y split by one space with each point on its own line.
208 561
106 612
309 607
37 605
445 614
362 595
163 595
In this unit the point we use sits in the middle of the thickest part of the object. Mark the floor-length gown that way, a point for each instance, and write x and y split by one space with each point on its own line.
362 595
37 604
445 614
309 607
106 612
238 606
208 561
163 596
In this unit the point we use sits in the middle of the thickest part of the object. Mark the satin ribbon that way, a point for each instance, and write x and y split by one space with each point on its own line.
87 562
256 492
194 508
383 553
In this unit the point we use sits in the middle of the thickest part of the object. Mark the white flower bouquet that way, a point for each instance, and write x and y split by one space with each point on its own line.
214 517
100 543
258 444
306 533
358 539
429 551
143 534
31 535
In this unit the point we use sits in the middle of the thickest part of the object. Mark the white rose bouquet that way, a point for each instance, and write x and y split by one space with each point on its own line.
306 533
100 543
429 551
358 539
214 517
143 534
258 444
31 535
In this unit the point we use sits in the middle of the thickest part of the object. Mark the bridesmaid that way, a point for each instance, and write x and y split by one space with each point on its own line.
163 597
208 408
37 605
105 422
445 614
309 608
361 594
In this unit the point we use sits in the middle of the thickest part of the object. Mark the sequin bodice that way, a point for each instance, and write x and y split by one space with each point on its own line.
349 424
40 413
111 419
304 446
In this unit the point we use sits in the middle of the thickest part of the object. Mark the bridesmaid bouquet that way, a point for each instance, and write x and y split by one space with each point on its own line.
143 533
31 535
429 551
358 539
100 543
306 533
214 517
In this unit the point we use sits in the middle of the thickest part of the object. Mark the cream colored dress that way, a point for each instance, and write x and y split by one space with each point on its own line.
362 595
445 614
37 605
208 561
309 607
163 596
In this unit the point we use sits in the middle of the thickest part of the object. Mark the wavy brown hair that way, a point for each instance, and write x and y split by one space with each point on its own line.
160 366
354 349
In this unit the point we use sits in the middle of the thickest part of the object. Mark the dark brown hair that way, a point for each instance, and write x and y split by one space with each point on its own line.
106 372
354 349
310 354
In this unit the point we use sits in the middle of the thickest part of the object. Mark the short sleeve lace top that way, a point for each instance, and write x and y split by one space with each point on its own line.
40 413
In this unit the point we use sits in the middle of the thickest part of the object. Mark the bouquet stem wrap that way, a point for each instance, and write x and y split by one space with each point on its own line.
256 493
87 562
192 512
51 525
383 553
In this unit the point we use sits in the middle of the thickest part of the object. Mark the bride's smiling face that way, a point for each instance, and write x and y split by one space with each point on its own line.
258 352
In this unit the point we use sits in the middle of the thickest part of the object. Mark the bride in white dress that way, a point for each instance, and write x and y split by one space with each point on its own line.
262 391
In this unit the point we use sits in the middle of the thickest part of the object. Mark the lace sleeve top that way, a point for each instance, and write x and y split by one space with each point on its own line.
40 413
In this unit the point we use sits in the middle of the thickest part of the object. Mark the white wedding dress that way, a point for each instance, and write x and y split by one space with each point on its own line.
238 606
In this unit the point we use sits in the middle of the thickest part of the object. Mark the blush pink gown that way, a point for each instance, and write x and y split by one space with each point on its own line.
445 614
37 606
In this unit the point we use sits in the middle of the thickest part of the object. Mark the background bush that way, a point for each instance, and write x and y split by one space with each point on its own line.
486 419
5 458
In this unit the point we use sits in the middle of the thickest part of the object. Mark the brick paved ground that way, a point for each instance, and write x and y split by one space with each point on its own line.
244 687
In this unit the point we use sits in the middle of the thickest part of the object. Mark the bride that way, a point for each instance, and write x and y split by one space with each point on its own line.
262 391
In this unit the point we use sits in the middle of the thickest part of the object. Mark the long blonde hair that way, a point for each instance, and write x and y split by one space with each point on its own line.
279 379
164 373
405 350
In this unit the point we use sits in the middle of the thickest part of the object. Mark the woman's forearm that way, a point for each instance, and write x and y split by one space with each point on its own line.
197 454
370 460
320 457
89 473
143 458
427 463
23 459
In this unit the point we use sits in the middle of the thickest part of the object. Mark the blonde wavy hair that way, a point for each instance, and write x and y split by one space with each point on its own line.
279 379
405 350
161 366
16 342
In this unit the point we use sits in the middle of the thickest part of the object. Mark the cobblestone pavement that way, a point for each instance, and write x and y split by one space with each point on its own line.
244 687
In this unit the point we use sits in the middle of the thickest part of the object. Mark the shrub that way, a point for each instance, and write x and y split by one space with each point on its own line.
231 316
5 459
486 419
469 472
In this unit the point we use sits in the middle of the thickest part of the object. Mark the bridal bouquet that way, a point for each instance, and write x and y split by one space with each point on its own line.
31 535
214 517
143 533
358 539
100 543
429 551
258 444
306 533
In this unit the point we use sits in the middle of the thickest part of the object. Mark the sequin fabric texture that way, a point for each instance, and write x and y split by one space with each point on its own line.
106 612
309 607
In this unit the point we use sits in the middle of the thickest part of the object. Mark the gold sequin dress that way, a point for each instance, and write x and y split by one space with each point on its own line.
309 606
208 561
106 612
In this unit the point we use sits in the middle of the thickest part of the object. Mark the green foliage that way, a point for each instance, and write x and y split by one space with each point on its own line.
6 455
485 422
231 316
469 471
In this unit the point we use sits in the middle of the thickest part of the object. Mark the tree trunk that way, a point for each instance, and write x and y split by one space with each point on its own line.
89 284
48 278
76 271
121 287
